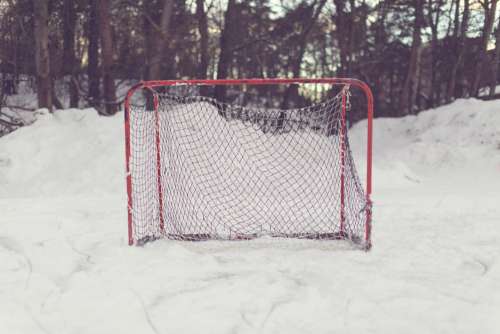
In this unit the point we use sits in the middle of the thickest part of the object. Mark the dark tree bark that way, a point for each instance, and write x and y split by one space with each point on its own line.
41 32
159 41
106 38
93 74
156 23
380 74
342 26
69 60
203 30
147 31
225 50
457 69
456 21
489 7
410 87
345 27
434 14
496 59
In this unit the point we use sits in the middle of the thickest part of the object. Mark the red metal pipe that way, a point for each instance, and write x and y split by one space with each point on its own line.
369 156
158 160
128 148
194 82
127 162
342 134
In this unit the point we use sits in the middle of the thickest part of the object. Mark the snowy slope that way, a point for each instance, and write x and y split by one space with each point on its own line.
435 266
68 152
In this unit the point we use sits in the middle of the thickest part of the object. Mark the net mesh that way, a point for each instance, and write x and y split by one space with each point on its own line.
203 169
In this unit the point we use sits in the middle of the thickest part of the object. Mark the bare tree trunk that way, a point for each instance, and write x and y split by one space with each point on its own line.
496 59
351 36
459 62
160 41
489 7
409 92
456 21
107 57
434 24
69 59
147 32
342 26
380 78
393 95
44 86
203 30
225 50
93 74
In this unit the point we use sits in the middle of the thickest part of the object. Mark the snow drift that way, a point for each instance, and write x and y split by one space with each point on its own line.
78 152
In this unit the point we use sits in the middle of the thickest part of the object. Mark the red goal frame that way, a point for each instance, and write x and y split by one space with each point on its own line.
150 85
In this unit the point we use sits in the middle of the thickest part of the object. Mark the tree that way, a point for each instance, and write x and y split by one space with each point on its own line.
433 17
41 32
460 39
343 25
93 74
225 48
489 7
382 42
378 72
203 31
157 41
410 87
496 60
106 38
70 65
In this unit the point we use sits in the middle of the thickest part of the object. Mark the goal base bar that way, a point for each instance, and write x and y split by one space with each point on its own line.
238 237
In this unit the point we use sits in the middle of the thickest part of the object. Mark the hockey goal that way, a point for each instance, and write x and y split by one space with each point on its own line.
238 163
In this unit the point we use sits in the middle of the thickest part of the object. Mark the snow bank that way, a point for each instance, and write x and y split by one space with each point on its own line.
68 152
78 152
464 135
435 265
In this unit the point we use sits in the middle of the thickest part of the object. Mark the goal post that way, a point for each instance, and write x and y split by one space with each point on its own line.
202 168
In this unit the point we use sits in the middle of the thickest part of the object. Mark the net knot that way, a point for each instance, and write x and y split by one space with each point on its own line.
367 207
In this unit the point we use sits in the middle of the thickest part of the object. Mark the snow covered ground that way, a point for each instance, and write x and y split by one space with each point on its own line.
65 266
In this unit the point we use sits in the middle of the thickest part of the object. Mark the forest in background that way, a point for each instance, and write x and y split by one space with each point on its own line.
414 54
